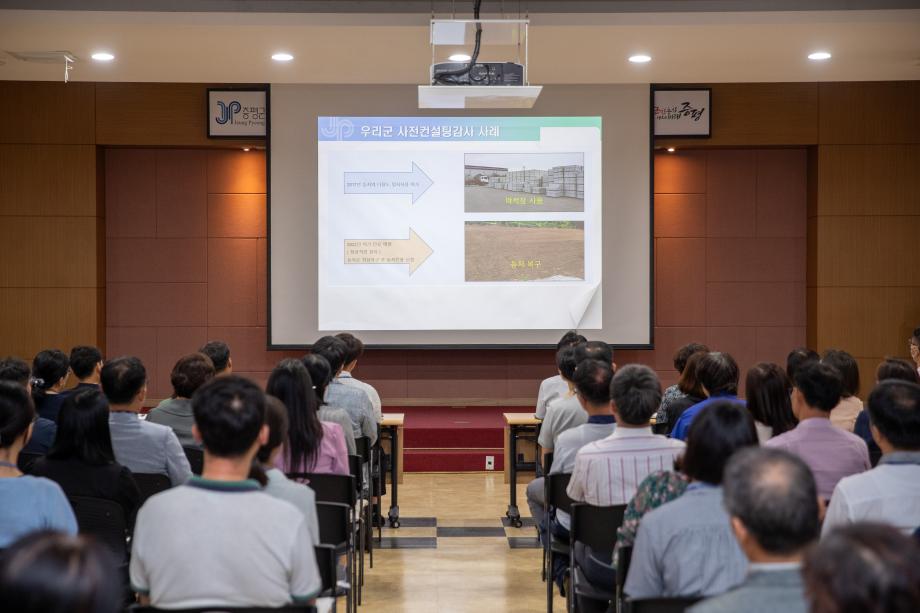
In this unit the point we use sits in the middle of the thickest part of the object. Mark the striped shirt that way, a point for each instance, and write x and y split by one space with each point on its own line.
608 471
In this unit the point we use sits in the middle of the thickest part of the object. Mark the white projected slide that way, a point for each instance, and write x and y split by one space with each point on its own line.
459 223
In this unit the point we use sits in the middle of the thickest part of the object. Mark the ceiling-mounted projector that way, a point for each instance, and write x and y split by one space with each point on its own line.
481 73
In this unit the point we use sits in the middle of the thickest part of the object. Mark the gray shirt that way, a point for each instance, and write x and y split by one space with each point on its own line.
145 447
561 414
357 405
339 416
686 548
769 588
298 494
550 389
567 446
177 414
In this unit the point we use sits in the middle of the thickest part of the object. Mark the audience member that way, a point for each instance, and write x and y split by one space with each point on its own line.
219 352
312 446
718 375
277 484
188 374
43 430
86 365
889 368
353 400
564 412
29 503
82 461
845 413
913 344
686 547
219 540
692 393
831 452
556 386
49 572
890 492
771 498
798 357
674 392
139 445
49 376
354 349
767 391
863 568
321 374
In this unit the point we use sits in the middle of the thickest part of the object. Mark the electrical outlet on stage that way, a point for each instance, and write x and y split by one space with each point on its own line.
490 462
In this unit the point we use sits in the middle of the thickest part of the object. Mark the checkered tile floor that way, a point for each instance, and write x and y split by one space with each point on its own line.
425 533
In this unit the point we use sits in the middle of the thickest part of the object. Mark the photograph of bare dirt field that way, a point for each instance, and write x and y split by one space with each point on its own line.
524 183
525 250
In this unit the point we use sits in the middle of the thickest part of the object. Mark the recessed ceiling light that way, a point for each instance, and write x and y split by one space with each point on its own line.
245 148
459 57
671 149
819 55
102 56
282 57
640 58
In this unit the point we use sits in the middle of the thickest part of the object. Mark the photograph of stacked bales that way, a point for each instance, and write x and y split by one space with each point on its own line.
524 183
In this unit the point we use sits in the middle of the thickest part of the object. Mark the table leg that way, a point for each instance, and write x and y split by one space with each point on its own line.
513 514
393 515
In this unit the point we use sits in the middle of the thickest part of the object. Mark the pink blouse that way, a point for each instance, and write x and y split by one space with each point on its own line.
331 458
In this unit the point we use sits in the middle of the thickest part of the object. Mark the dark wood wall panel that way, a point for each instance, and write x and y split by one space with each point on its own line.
869 179
869 113
48 180
35 318
42 112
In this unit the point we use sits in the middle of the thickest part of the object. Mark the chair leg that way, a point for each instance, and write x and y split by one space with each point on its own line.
548 569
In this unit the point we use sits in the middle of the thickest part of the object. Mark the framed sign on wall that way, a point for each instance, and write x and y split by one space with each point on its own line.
236 113
682 112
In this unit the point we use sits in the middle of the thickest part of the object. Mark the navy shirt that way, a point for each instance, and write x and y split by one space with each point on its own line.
861 429
43 433
49 405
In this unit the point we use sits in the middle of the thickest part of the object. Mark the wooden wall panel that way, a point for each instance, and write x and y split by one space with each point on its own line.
867 251
869 113
48 252
869 179
867 321
48 180
46 112
38 318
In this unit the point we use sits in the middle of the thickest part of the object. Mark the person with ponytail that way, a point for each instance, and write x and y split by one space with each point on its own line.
44 430
321 375
49 376
312 445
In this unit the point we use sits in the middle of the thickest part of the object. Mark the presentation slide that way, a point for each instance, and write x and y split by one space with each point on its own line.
459 223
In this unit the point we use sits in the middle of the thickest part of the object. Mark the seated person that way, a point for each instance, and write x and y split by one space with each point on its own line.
341 396
844 414
219 540
564 412
139 445
767 390
29 503
321 375
276 483
81 460
355 349
219 354
675 392
718 376
49 377
889 368
555 387
832 453
189 373
771 498
686 547
312 446
799 357
43 430
890 492
691 393
86 365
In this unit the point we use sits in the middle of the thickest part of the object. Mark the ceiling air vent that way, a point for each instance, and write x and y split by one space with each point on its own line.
43 57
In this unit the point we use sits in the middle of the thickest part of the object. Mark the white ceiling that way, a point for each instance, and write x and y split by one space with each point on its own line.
393 48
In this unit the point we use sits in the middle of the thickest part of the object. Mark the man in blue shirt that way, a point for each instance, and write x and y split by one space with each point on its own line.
718 374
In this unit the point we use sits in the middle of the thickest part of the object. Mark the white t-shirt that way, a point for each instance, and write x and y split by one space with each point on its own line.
222 543
550 389
562 414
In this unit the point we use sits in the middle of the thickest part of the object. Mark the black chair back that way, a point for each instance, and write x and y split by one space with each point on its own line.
354 468
661 605
624 556
333 523
326 562
195 459
556 495
363 449
26 460
223 609
329 488
150 484
547 462
103 519
596 527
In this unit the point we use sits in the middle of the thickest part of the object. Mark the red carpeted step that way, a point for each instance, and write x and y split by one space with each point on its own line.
451 460
454 427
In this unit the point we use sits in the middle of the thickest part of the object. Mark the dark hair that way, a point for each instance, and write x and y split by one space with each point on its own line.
333 349
320 374
683 354
689 382
570 338
848 369
774 495
820 384
593 350
566 362
15 370
896 368
894 408
219 352
191 372
863 568
277 421
767 392
48 367
797 358
916 334
16 412
122 379
636 392
291 384
715 434
83 360
229 412
83 430
718 373
50 572
354 348
592 381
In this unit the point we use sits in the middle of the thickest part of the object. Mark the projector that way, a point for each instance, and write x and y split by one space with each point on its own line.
482 73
